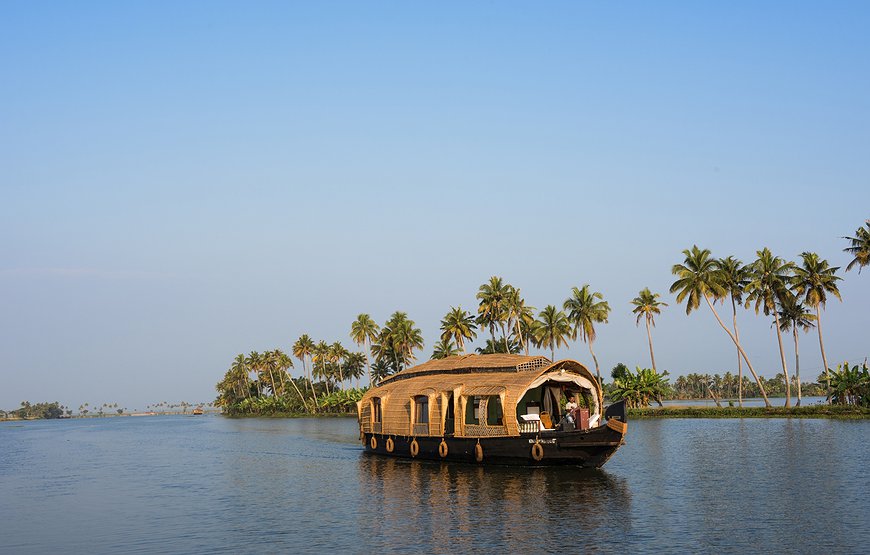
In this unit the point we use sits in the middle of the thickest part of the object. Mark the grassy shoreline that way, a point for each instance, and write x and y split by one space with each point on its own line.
812 411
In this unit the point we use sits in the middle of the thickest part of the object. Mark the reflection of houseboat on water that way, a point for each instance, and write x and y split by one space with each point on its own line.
500 409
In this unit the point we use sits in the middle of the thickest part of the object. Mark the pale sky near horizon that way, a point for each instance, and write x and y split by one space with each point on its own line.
185 181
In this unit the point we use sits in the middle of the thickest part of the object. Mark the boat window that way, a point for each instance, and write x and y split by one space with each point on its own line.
422 409
494 414
472 410
376 412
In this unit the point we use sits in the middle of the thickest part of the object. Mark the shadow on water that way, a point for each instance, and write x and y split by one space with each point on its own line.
435 506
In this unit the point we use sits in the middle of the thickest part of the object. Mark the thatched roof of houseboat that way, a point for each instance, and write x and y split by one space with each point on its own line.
505 376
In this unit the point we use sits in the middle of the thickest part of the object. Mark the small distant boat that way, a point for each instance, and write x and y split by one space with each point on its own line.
494 409
198 410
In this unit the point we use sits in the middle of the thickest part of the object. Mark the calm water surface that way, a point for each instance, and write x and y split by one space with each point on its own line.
178 484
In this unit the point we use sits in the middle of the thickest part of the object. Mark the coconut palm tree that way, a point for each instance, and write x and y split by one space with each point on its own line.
320 360
520 317
337 354
647 306
239 376
793 315
585 309
458 325
302 349
552 330
444 348
407 338
859 248
813 280
254 362
364 331
767 288
697 279
733 275
492 310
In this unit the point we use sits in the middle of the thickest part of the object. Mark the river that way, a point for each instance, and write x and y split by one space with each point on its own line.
183 484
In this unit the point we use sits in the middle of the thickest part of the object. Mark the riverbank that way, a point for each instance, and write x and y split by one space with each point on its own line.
811 411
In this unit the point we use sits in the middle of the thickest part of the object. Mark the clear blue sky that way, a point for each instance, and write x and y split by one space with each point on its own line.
185 181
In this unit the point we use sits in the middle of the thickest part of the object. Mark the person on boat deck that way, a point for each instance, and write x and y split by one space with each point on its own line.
570 406
568 418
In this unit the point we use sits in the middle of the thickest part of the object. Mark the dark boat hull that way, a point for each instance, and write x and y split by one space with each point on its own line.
590 448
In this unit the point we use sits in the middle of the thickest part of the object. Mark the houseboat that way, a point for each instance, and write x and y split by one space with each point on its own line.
493 409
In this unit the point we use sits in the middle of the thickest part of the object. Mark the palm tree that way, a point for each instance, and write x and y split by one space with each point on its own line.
767 288
254 362
406 339
793 314
733 276
337 354
697 279
459 326
239 373
552 330
492 309
363 331
302 349
813 280
444 348
320 362
860 247
647 306
585 309
521 315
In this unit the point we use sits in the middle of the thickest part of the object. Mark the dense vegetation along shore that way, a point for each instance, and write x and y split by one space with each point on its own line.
811 411
791 294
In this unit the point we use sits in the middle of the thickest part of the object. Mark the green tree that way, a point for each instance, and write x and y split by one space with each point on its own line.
585 309
520 317
364 331
302 349
337 354
767 288
458 325
851 385
254 362
492 309
814 280
697 279
859 247
733 276
320 359
793 315
444 348
552 330
648 306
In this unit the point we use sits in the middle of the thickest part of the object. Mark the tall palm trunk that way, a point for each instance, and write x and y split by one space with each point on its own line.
272 382
283 385
302 397
797 365
520 337
739 361
595 360
310 383
782 358
368 366
740 349
649 338
824 358
507 348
